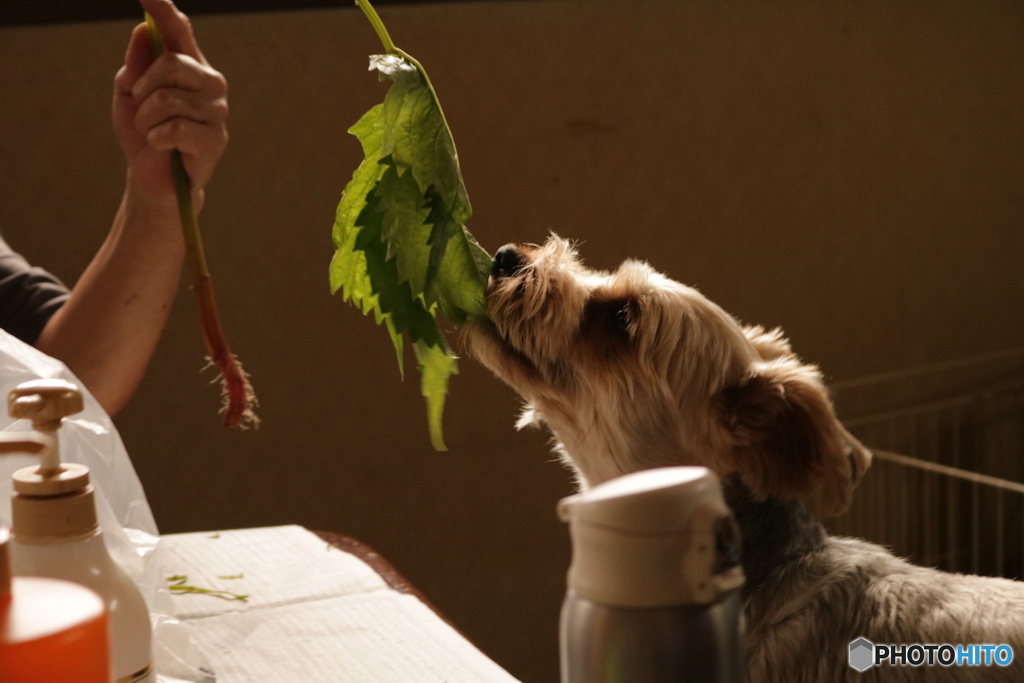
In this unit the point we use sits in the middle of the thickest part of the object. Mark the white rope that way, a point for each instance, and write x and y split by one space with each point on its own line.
954 472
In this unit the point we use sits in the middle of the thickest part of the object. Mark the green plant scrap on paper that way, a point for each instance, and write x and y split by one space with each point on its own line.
176 584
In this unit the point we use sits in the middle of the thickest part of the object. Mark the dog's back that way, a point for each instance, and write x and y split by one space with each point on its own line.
809 595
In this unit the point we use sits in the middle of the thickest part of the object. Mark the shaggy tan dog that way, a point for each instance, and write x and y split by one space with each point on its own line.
631 370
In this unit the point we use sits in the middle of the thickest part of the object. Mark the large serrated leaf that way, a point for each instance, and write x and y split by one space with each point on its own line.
403 250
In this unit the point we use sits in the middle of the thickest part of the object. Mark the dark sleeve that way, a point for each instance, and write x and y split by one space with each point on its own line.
28 296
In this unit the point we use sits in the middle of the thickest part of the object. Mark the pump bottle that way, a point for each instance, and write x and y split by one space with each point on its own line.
49 628
55 532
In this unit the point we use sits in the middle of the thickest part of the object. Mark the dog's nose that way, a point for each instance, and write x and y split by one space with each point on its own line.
507 261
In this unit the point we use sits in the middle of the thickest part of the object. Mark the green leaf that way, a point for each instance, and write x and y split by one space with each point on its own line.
394 298
436 365
370 131
416 138
348 268
403 251
412 120
457 292
404 214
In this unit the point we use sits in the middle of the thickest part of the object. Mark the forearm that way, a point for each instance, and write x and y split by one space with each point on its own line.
109 327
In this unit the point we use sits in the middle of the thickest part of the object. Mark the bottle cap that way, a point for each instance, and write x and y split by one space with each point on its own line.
656 538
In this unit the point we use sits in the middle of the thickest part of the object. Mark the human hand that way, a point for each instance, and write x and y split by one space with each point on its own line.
174 102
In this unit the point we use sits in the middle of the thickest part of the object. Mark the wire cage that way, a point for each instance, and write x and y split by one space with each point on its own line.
949 450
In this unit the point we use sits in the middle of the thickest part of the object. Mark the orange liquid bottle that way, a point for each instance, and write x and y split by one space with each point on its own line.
51 631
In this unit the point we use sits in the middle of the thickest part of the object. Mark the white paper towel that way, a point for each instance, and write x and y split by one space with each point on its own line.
314 613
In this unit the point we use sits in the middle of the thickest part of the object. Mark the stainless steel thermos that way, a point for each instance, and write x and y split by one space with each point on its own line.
653 589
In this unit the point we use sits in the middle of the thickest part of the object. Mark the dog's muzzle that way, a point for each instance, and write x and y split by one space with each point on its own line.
508 261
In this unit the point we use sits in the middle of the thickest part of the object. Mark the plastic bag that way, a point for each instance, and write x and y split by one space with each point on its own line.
129 530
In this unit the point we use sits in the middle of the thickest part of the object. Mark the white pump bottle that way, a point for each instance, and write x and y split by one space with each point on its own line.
55 532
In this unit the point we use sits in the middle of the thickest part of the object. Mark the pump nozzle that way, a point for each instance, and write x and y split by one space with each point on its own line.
45 401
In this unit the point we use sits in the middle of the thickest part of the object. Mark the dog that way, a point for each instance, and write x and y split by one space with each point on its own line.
631 370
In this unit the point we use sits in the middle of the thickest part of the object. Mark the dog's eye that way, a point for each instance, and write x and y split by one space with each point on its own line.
622 316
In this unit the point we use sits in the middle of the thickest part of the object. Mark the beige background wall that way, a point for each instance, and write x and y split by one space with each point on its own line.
852 171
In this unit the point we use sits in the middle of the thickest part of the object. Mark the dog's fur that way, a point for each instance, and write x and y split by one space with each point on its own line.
631 370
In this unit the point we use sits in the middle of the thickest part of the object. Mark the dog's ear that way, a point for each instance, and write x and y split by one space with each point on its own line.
787 442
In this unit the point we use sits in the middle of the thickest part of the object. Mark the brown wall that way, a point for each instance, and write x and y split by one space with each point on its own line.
852 171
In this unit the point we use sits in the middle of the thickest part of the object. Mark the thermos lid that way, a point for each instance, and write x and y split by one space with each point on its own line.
656 538
658 501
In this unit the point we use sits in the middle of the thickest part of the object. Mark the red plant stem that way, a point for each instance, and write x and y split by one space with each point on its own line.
239 395
239 398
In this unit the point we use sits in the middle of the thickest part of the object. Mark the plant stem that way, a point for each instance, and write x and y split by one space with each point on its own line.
378 26
239 398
